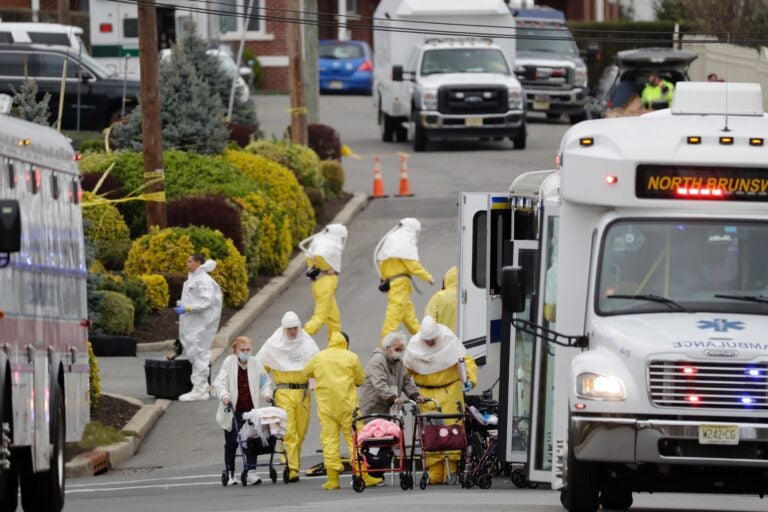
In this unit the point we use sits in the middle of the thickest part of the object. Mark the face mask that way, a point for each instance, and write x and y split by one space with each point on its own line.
243 356
396 356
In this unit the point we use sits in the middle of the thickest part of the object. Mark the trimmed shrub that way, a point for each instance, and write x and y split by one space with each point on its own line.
304 162
157 291
133 288
333 173
166 251
106 228
175 282
210 211
324 140
97 267
317 198
270 248
115 314
279 184
94 145
94 378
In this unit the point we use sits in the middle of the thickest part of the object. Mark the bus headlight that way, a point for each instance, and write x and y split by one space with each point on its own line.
600 387
429 100
515 99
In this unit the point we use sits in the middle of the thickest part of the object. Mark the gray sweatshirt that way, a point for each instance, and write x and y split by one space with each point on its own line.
384 381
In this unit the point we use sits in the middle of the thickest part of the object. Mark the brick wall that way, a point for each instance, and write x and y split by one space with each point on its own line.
22 4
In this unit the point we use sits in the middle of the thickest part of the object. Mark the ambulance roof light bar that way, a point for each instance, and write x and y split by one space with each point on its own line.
714 98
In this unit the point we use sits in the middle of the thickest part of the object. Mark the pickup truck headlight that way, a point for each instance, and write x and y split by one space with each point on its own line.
580 77
600 387
515 99
429 100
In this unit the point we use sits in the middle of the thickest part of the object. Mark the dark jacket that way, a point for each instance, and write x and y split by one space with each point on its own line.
384 381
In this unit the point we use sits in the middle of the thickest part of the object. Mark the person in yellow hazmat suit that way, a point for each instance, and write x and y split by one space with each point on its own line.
397 260
324 260
442 305
337 373
284 356
434 358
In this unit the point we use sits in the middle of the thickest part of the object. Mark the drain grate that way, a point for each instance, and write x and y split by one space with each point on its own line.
132 471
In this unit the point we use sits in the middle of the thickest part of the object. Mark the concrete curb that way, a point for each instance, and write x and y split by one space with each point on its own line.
105 457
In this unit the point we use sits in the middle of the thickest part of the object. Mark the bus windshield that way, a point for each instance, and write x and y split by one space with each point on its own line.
659 265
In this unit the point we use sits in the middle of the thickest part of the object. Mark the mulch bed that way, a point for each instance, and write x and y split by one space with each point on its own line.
164 325
111 412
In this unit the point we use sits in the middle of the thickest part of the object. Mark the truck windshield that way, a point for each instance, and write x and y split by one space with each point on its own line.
550 40
702 265
468 60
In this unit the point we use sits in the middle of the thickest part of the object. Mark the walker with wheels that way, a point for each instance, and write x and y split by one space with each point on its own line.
378 448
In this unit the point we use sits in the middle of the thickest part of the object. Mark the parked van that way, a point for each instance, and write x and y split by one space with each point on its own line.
42 33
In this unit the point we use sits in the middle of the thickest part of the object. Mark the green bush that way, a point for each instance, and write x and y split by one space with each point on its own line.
106 228
133 288
304 162
269 249
166 251
115 314
94 377
250 59
333 173
317 198
157 291
92 146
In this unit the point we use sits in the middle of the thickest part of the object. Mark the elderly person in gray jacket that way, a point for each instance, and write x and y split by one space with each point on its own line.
386 378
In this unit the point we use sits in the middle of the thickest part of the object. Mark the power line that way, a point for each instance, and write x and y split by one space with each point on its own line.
444 33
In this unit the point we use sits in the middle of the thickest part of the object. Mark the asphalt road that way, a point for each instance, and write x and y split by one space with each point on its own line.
179 464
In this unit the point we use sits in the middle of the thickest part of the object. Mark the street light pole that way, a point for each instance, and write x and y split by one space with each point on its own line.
151 126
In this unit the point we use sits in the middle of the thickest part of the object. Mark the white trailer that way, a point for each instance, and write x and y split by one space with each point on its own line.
44 371
630 287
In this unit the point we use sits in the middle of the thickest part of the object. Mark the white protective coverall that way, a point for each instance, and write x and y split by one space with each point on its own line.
202 299
284 360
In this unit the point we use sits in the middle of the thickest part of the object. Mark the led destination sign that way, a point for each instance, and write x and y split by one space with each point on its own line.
705 183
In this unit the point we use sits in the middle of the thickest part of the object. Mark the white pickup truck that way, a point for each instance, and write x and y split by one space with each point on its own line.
447 87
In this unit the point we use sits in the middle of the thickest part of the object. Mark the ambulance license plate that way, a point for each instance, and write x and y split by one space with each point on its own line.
473 121
718 434
541 103
335 85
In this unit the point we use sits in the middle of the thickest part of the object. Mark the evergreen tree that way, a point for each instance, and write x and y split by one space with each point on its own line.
27 106
191 113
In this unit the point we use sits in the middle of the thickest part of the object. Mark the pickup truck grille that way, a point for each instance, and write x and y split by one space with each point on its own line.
490 99
716 385
546 77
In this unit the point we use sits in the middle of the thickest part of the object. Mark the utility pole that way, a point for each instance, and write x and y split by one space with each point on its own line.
295 74
311 78
63 11
151 127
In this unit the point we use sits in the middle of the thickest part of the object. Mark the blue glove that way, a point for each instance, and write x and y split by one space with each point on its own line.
180 309
468 386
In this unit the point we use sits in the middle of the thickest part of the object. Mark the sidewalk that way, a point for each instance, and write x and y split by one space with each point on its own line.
189 424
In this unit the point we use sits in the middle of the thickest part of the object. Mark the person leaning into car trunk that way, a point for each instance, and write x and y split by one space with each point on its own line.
656 90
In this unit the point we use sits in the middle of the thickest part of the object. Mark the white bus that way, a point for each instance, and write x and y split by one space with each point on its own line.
44 372
630 291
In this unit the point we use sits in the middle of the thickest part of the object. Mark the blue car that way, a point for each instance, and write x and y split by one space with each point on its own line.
345 66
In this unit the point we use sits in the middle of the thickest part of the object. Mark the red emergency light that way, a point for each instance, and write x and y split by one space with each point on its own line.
611 179
693 398
700 192
689 370
105 28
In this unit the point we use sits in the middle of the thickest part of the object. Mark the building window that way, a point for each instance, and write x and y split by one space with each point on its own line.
351 6
240 9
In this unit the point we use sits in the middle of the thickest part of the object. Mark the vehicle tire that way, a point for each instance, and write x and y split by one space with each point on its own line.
224 478
616 497
273 475
577 118
552 116
519 141
485 482
564 497
583 484
45 490
386 126
401 132
419 137
358 484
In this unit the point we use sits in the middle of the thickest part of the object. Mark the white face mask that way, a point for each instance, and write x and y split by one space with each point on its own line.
394 356
243 356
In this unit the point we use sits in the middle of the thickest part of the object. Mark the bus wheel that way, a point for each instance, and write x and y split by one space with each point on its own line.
583 485
616 497
44 491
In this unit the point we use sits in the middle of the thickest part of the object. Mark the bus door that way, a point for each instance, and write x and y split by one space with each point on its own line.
471 321
541 449
516 356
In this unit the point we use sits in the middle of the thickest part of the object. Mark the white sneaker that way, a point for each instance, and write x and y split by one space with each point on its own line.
253 478
193 396
232 480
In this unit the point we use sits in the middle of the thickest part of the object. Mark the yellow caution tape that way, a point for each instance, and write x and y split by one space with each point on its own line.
297 110
157 197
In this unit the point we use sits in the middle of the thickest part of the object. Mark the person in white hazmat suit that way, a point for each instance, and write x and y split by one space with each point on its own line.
199 313
284 356
324 261
396 258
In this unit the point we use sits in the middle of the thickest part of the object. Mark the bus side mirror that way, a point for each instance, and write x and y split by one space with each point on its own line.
397 73
10 230
513 289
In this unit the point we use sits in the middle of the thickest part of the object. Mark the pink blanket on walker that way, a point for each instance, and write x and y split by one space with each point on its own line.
379 428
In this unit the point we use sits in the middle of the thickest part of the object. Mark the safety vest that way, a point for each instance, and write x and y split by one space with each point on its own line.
662 92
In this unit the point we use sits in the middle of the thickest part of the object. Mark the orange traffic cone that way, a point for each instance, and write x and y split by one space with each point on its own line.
405 183
378 180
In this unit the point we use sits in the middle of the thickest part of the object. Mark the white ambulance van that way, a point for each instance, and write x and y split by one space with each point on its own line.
628 292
